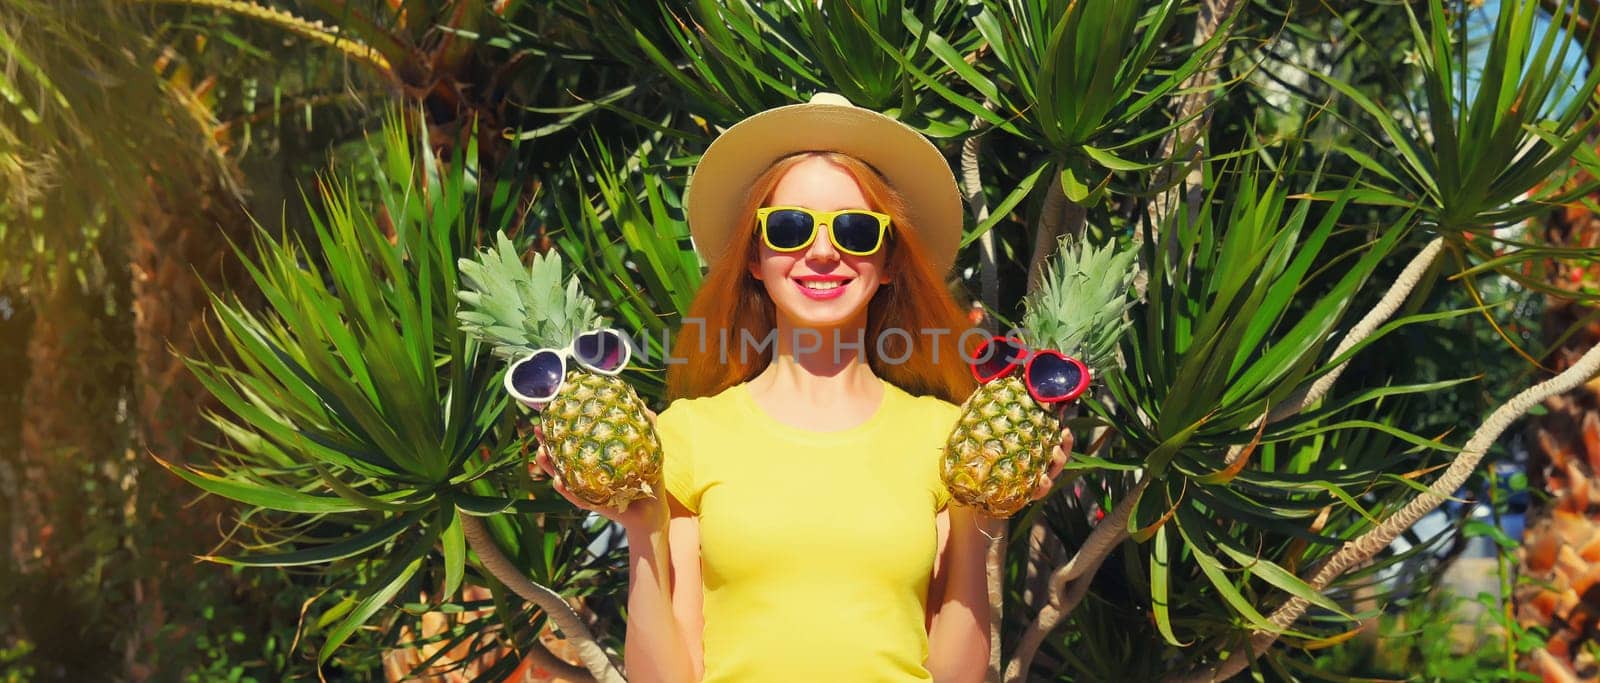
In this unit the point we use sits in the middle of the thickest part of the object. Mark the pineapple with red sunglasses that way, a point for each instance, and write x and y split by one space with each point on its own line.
997 451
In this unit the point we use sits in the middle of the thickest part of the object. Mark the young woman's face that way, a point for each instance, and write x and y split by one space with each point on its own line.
819 286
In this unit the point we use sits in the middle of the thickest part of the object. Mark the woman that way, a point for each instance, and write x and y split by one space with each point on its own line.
807 535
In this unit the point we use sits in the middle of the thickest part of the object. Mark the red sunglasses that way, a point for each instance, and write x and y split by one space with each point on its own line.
1051 376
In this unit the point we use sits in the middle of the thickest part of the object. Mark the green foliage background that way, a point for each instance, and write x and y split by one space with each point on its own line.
356 427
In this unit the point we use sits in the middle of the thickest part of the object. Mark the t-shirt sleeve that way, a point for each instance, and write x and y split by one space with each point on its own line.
943 421
677 456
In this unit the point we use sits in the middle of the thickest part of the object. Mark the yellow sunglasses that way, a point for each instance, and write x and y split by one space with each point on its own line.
791 228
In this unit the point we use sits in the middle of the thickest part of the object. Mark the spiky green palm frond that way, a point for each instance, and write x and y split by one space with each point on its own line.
1079 306
521 308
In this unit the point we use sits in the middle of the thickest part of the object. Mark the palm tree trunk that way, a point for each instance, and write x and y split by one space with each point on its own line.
1059 216
71 437
69 415
179 247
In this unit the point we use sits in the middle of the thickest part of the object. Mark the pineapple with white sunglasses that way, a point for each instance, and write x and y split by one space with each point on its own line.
565 364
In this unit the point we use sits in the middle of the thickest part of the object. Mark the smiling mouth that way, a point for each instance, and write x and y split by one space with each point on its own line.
824 285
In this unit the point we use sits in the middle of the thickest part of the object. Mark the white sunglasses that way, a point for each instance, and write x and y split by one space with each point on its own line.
536 378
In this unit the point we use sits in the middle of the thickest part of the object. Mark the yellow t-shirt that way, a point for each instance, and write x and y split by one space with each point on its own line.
815 547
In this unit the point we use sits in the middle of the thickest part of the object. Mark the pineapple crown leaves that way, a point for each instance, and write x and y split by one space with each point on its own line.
1079 306
516 308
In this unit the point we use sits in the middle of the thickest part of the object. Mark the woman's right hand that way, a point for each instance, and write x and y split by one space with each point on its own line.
641 515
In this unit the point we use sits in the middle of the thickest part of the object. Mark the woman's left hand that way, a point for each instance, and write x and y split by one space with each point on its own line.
1058 459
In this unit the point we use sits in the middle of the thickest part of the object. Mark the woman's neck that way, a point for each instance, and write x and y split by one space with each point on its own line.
819 380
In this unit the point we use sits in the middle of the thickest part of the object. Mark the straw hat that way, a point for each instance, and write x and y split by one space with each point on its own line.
828 123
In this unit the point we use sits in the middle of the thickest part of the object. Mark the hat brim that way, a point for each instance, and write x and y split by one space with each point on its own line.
911 164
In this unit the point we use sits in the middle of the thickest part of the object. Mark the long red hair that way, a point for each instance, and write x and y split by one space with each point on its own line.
731 302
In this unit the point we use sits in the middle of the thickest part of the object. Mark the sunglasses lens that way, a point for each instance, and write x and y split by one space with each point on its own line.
789 229
603 350
1054 378
856 232
996 357
537 377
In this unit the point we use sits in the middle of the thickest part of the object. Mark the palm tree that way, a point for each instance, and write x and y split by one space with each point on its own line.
53 138
124 196
82 104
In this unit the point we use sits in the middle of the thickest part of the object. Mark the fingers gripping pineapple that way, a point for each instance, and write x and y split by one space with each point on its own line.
594 425
1001 443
